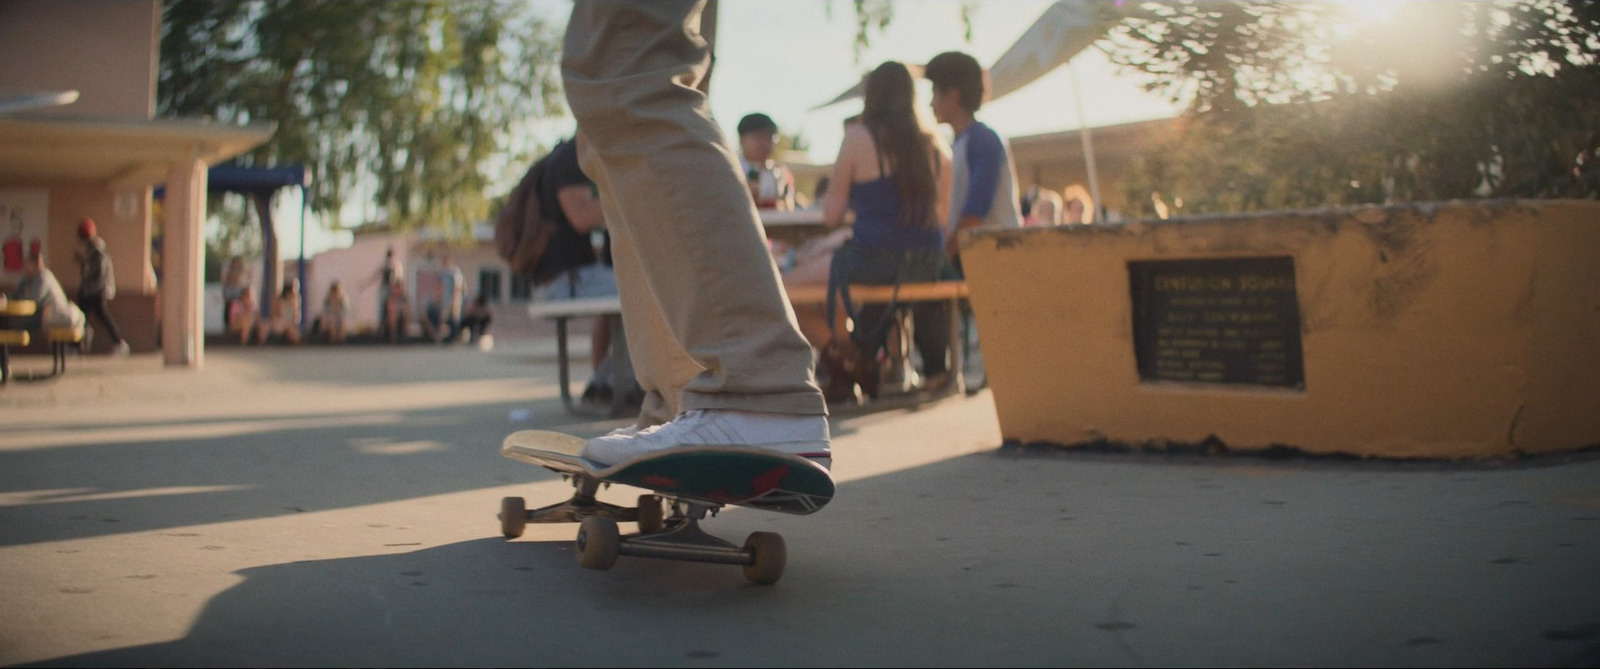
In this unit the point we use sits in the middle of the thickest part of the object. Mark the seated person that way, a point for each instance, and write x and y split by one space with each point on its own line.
771 184
243 314
475 321
235 280
894 173
52 308
285 314
1078 205
334 308
582 271
1044 211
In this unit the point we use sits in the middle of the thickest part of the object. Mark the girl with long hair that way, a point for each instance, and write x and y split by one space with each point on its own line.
893 172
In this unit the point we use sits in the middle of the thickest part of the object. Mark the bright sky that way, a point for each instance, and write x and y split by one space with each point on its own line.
783 57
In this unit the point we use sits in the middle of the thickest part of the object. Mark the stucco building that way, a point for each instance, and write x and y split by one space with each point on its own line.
79 138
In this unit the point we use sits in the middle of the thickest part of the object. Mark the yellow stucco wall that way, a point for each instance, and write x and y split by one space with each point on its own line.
1455 330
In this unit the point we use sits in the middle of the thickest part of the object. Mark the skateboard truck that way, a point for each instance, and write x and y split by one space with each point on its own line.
763 555
679 537
515 514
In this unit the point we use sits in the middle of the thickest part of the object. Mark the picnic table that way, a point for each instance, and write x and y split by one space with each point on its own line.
793 227
9 337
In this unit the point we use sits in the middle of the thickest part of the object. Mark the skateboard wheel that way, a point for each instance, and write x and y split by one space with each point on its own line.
513 516
767 558
651 517
597 543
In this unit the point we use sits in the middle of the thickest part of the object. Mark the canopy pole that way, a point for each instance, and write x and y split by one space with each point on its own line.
305 302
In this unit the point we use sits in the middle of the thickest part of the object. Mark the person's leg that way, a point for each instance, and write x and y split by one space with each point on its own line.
930 327
95 307
384 324
661 373
430 322
710 292
599 340
478 325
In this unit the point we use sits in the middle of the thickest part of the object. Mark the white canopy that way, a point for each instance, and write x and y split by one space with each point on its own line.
1064 30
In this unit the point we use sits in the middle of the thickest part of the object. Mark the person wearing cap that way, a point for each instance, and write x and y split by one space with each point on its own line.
98 284
771 184
580 270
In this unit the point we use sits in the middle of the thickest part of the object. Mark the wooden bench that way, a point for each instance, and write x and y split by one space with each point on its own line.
931 291
951 292
60 339
948 291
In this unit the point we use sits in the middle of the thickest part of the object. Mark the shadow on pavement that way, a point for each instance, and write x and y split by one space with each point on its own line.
991 561
258 468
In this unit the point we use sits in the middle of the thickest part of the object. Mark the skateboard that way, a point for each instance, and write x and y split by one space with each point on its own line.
694 482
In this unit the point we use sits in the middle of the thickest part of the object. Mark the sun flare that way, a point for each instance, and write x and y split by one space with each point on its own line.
1370 11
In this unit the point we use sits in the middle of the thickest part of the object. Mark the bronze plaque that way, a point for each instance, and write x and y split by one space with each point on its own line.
1221 320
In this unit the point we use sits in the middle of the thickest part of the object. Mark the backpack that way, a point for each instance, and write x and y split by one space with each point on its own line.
536 245
98 276
521 231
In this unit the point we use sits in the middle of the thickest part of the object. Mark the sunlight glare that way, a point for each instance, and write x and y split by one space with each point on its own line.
80 495
1370 11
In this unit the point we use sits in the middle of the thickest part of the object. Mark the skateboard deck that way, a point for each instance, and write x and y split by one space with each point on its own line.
719 475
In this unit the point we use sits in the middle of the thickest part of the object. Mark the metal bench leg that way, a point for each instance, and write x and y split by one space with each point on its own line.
958 346
622 377
561 358
58 358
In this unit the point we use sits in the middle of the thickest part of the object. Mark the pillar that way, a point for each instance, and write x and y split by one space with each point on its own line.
183 281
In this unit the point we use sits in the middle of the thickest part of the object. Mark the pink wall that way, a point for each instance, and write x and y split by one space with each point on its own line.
354 267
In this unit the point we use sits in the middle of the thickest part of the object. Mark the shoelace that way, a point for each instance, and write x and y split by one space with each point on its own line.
677 422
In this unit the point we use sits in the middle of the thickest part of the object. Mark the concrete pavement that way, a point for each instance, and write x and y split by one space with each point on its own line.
336 507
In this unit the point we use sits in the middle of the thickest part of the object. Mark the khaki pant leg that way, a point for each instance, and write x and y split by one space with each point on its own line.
664 369
676 197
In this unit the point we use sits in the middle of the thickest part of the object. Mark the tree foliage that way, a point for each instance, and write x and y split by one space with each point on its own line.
1302 104
417 105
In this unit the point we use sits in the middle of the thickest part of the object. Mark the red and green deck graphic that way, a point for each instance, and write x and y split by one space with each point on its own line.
725 477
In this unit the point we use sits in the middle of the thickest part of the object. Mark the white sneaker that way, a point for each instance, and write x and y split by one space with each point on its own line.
120 349
806 436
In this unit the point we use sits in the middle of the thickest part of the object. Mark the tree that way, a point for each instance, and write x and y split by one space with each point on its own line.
420 106
1303 104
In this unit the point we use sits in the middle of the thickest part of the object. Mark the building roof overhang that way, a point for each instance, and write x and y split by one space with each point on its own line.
120 154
